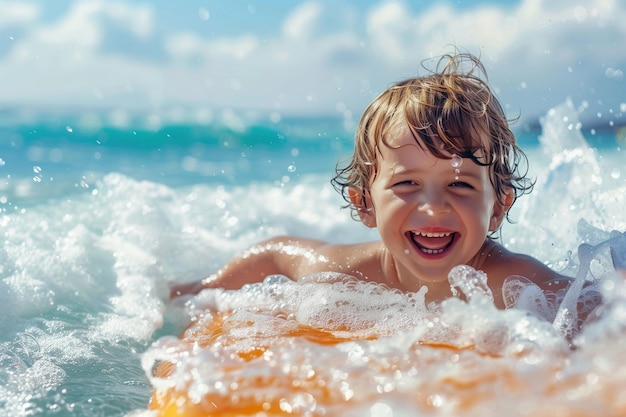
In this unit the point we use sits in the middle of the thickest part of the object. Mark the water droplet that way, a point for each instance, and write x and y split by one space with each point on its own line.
616 173
435 401
204 14
456 162
275 117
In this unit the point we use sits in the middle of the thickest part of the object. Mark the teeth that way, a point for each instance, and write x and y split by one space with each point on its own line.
431 251
433 234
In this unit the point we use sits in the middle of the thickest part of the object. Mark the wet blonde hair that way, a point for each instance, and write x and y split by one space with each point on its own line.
451 111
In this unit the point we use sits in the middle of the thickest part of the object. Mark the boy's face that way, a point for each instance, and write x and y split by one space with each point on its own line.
429 216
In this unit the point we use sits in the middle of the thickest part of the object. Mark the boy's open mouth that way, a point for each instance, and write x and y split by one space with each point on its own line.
432 243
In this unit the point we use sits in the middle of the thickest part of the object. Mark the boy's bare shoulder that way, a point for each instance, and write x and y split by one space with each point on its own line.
500 263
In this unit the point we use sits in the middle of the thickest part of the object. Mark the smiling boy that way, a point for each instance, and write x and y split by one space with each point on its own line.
435 170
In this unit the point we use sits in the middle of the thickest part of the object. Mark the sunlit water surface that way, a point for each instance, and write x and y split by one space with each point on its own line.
93 231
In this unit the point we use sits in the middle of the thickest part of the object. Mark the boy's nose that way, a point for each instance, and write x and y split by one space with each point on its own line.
426 208
432 205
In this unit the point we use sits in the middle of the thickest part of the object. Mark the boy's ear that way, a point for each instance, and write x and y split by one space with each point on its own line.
500 210
361 201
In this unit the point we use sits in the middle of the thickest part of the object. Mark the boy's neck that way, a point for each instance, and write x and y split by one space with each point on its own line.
438 291
398 278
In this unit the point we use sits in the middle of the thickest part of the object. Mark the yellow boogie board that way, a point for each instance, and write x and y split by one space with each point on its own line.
175 402
371 353
297 373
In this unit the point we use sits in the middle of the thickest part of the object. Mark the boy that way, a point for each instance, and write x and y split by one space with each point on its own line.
435 169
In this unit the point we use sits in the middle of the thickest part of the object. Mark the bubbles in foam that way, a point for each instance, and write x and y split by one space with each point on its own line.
27 374
30 296
336 342
465 280
23 389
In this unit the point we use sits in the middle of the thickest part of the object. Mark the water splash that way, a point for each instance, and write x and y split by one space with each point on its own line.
568 308
467 281
574 182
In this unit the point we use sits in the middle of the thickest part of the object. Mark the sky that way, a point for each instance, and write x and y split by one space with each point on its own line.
198 60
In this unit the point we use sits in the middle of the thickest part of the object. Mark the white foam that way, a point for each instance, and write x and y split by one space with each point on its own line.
399 360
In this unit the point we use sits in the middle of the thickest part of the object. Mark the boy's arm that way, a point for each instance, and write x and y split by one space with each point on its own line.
280 255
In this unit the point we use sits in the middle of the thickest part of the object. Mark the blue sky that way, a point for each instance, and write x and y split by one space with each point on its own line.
197 60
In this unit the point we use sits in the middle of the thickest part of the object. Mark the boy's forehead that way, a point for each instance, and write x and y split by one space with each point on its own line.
402 136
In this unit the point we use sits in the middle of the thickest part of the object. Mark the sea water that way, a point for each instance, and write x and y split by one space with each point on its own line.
97 219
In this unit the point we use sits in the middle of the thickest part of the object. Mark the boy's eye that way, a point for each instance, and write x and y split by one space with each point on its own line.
461 184
404 183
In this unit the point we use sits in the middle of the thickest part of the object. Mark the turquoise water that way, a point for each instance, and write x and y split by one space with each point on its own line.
61 150
97 219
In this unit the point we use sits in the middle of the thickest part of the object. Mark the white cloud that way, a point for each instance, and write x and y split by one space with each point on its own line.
15 14
538 53
392 30
185 45
240 47
302 21
60 62
83 25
